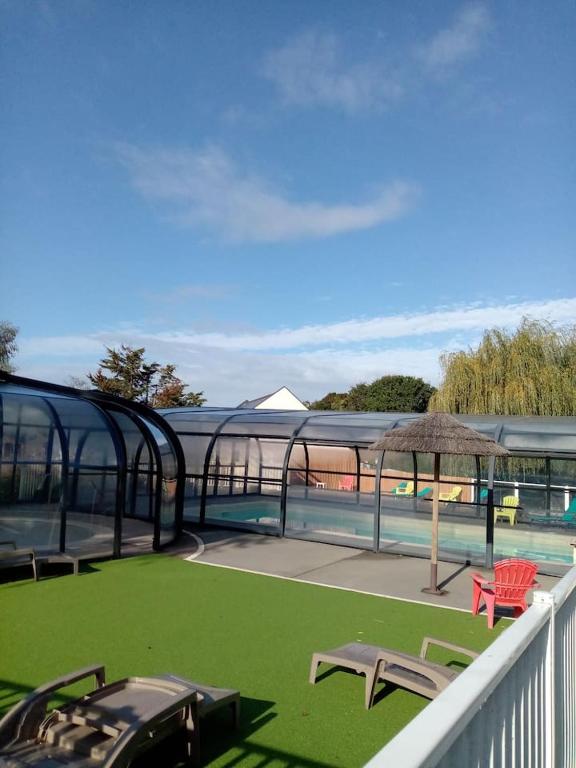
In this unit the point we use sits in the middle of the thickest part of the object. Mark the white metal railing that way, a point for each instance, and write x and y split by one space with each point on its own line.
515 705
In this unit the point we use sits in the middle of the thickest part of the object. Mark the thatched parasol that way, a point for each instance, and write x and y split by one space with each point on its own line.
438 433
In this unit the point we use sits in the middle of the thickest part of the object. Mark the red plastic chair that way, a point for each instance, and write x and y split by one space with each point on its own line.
346 483
513 579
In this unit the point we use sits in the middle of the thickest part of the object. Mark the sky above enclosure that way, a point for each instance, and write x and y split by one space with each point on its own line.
309 194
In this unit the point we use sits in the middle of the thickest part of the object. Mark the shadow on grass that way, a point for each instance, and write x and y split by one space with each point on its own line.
386 689
16 575
258 755
10 694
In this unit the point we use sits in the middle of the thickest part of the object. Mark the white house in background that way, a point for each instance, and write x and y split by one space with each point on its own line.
282 400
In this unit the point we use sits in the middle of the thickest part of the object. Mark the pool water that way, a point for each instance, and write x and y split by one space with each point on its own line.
338 522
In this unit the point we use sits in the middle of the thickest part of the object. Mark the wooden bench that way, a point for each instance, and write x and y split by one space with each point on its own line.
58 557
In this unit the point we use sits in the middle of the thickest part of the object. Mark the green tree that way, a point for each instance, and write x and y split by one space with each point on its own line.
531 371
404 394
132 377
8 346
169 392
333 401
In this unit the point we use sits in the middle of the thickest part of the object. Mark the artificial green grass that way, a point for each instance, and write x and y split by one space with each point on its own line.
155 614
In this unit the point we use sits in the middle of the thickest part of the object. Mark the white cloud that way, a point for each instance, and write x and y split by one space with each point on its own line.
313 69
209 191
468 318
309 70
311 360
459 41
228 377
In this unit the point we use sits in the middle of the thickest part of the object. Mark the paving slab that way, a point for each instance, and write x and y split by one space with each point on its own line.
396 576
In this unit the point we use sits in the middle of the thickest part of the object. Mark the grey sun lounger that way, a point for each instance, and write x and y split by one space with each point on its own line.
112 725
414 673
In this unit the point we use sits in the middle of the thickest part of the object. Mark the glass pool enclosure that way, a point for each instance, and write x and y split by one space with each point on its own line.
87 471
84 472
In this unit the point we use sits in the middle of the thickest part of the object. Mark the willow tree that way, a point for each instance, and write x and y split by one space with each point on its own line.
8 346
528 372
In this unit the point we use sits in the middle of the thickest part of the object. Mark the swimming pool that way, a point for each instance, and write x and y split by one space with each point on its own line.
399 529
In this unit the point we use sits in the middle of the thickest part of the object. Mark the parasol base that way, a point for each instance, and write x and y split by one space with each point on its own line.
434 591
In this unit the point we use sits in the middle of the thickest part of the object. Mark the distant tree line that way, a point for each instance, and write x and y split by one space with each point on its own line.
531 371
527 372
404 394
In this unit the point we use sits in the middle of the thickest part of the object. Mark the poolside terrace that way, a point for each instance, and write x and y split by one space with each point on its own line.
229 627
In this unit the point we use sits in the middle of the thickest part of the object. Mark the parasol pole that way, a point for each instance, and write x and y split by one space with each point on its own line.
433 588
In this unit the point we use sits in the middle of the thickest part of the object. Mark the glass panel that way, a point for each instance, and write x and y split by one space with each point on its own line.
540 435
332 467
90 519
397 477
30 474
95 449
192 498
168 511
169 469
325 503
368 464
202 420
194 448
538 534
563 473
323 514
260 427
245 480
142 496
406 524
341 433
31 525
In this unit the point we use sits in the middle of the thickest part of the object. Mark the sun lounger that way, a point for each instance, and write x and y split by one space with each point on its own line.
403 489
112 725
452 495
414 673
567 519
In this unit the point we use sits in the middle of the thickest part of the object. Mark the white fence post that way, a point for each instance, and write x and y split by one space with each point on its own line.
525 681
547 598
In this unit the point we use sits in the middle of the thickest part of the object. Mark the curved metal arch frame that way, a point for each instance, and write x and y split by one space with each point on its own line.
148 439
100 400
57 423
64 447
210 447
121 473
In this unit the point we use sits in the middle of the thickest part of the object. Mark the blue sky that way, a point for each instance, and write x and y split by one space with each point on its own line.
308 194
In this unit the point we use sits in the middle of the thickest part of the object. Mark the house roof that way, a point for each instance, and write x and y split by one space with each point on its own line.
259 400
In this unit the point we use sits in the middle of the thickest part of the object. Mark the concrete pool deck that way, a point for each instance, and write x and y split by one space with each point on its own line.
377 573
